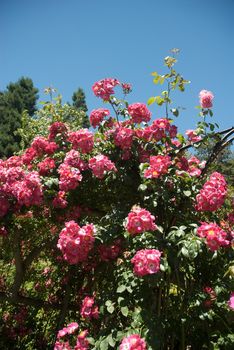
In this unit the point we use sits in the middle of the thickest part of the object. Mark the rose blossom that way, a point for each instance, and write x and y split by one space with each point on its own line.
146 261
133 342
231 301
89 309
100 165
82 342
206 98
82 140
105 88
139 113
75 242
213 193
214 235
123 137
140 220
158 166
97 116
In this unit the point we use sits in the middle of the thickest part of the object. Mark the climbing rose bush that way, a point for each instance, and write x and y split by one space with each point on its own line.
118 238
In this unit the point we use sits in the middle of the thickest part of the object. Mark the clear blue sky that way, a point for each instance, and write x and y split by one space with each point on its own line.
72 43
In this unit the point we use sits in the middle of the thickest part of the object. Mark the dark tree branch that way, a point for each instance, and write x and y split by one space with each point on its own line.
20 299
219 146
19 266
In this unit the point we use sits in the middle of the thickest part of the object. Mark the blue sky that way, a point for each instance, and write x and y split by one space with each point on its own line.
72 43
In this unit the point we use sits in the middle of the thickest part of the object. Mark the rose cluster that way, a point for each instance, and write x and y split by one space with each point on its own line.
213 193
146 262
82 342
69 177
109 252
105 88
97 116
158 166
139 113
133 342
100 165
214 235
89 309
82 140
140 220
76 242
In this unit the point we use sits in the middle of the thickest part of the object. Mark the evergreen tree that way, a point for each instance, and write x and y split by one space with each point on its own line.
79 102
18 97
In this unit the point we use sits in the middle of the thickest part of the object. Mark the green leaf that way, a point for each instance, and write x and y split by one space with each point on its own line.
161 79
104 344
159 100
142 187
187 193
110 308
120 299
108 303
121 288
111 341
185 252
151 100
124 310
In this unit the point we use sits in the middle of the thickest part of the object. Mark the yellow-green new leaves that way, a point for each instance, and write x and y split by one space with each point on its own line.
158 99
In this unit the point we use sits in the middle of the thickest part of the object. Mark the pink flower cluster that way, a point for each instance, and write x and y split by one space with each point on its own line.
105 88
76 242
69 177
127 88
140 220
211 294
206 99
133 342
146 261
231 301
214 235
82 140
159 129
42 146
46 166
100 165
70 329
97 116
193 166
111 252
25 187
81 341
60 200
213 193
89 309
123 137
57 129
158 166
139 113
73 159
192 136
